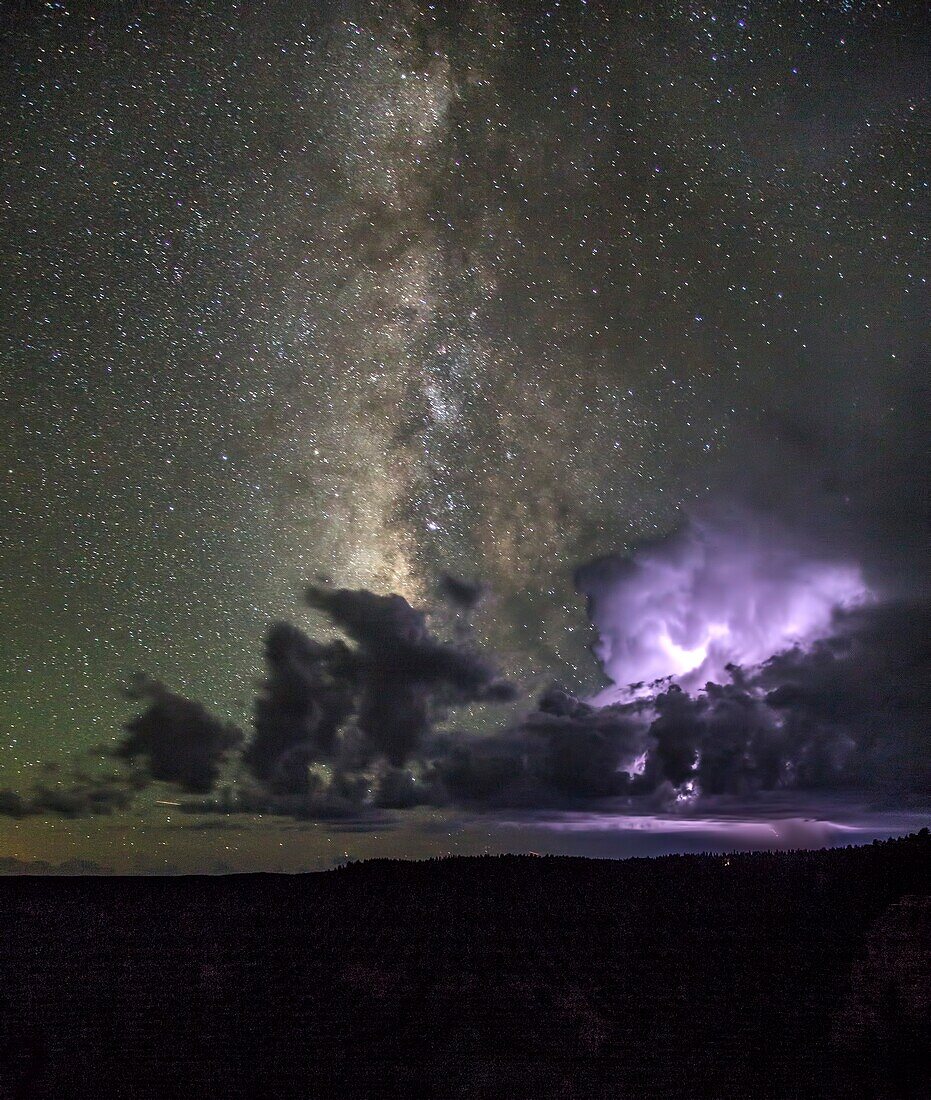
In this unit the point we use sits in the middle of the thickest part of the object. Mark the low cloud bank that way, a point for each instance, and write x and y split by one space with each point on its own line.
359 726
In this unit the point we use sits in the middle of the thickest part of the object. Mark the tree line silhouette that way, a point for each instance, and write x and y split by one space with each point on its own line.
764 974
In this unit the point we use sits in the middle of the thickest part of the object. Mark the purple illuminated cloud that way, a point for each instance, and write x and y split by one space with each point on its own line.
727 590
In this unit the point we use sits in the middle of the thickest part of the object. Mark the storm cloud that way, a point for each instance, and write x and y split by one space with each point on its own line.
731 586
847 715
358 727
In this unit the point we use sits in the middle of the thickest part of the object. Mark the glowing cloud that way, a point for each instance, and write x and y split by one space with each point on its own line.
727 590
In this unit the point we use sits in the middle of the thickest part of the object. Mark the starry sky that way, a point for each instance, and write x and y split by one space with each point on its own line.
360 293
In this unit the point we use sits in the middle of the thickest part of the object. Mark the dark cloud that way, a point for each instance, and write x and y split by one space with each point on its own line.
403 673
564 752
335 724
342 800
393 639
855 708
178 739
578 750
402 789
12 804
308 693
849 713
462 593
74 796
81 800
799 669
346 732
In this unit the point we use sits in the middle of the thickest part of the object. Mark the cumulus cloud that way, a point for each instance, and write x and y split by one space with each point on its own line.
847 712
402 671
308 693
173 740
730 587
393 637
744 662
178 740
856 704
354 729
563 751
345 725
343 730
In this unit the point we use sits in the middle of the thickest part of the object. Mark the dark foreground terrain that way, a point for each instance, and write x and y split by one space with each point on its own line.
788 975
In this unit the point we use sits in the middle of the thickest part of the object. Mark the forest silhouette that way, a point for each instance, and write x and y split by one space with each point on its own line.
773 974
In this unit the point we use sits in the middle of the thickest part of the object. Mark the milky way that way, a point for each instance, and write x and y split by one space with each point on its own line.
375 291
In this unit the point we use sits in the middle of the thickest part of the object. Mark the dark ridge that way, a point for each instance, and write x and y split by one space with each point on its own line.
800 974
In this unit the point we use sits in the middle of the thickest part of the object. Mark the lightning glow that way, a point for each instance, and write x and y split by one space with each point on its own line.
722 592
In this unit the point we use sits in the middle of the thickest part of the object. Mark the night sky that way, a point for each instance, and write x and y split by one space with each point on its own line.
365 295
